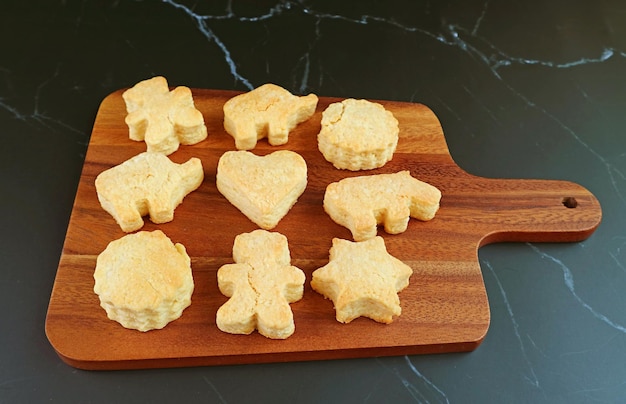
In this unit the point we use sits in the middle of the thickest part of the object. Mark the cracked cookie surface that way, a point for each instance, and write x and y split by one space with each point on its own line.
260 285
358 135
268 111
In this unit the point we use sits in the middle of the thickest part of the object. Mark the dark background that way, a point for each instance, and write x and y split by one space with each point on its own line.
523 90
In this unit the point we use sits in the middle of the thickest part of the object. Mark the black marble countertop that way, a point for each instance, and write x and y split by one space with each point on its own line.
523 90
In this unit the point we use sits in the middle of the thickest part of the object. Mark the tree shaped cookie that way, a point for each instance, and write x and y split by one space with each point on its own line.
362 203
362 279
267 111
260 284
162 118
149 183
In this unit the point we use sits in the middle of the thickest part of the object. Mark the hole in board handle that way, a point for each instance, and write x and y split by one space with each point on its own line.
569 202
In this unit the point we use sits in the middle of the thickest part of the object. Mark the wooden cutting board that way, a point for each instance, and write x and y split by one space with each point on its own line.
444 309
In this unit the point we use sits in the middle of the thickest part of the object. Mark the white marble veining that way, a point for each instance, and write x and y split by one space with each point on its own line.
531 376
442 395
214 389
466 40
36 116
568 280
451 35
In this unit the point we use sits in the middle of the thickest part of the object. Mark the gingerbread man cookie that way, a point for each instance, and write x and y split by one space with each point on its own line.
260 284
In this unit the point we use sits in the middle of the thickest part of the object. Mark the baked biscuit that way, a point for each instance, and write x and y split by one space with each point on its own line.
143 280
147 184
162 118
267 111
362 203
264 188
260 284
358 135
362 279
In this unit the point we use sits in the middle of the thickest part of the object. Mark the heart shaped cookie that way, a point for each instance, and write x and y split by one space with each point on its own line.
264 188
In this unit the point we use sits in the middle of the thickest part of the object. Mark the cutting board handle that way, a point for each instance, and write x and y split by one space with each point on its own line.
534 211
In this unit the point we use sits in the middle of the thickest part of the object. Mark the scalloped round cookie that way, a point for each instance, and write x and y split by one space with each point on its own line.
143 280
358 135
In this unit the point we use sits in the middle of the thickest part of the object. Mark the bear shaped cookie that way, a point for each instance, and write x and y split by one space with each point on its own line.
362 203
162 118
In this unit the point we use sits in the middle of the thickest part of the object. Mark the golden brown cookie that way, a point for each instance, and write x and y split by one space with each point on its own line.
362 203
147 184
362 279
358 135
162 118
143 280
260 284
264 188
267 111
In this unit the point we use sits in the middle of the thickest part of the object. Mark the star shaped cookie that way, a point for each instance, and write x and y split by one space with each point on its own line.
362 279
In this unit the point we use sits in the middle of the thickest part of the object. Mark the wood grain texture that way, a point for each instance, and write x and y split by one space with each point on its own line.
444 309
